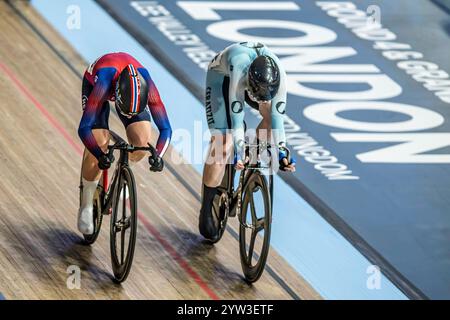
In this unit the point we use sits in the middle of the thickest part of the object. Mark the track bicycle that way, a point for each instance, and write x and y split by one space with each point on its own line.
252 203
119 200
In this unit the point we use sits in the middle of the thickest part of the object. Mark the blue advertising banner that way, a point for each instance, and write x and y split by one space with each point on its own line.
368 111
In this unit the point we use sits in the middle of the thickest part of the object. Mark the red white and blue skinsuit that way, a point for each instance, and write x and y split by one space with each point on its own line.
99 84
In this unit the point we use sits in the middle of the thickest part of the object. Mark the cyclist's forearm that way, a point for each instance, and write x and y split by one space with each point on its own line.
163 142
88 139
237 127
278 132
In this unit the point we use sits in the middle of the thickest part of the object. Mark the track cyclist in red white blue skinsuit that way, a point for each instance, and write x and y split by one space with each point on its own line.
120 78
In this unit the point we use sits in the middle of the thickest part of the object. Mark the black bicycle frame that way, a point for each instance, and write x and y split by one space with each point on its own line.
124 149
228 183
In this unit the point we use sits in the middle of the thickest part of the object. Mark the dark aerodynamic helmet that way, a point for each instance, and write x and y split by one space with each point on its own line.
131 92
263 78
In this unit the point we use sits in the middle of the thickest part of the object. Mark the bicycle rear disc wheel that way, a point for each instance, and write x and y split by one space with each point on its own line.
220 215
123 225
98 217
255 226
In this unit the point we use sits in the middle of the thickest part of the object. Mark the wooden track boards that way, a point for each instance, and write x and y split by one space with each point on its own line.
39 173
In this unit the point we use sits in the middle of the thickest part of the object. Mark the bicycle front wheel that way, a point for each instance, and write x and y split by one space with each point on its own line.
255 226
123 225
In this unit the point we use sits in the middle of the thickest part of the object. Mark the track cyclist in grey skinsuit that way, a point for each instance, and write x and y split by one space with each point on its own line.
243 73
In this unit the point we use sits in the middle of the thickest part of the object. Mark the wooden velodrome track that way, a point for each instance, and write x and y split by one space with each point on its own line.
40 156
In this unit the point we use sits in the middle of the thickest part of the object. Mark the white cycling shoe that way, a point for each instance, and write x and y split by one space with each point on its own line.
86 220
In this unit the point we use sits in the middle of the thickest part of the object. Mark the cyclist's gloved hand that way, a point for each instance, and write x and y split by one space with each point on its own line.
239 163
104 161
285 164
156 164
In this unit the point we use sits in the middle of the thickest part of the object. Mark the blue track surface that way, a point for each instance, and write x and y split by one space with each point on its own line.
316 250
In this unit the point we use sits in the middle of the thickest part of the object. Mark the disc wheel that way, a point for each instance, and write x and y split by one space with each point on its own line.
220 215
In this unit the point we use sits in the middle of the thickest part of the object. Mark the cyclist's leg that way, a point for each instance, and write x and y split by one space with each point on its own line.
220 147
219 154
139 130
219 121
90 176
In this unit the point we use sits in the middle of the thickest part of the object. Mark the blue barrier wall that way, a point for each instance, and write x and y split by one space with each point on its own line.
372 122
